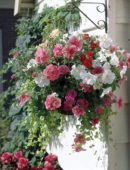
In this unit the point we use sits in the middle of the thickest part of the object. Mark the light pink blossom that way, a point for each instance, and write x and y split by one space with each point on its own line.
119 102
114 47
111 96
69 51
63 69
77 111
76 41
52 102
13 76
34 74
58 50
23 98
15 55
121 81
51 72
123 52
42 55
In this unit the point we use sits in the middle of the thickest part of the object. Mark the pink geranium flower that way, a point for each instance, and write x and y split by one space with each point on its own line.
6 157
69 51
72 93
63 69
80 139
76 41
51 72
121 81
52 102
18 155
82 103
48 166
119 102
51 158
128 61
22 163
95 121
42 55
99 109
58 50
23 98
77 111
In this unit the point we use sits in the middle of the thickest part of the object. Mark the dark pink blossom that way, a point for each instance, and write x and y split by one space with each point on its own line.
51 158
72 93
85 87
128 61
67 107
69 100
76 41
34 74
51 72
99 109
15 55
98 70
48 166
95 121
23 98
36 168
77 111
82 103
119 102
106 102
79 149
6 157
121 81
42 55
22 163
63 69
111 95
13 76
121 64
58 50
18 155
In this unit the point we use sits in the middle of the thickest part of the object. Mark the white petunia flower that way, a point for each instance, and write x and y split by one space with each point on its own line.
41 80
108 77
31 63
123 71
114 60
106 66
76 71
98 83
101 57
105 41
88 78
96 63
106 91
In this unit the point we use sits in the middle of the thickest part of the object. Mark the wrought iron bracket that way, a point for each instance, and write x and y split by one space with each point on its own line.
98 25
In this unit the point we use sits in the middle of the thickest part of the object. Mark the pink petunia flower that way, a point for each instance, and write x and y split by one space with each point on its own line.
85 87
34 74
111 96
121 64
121 81
63 69
67 106
106 102
98 70
23 98
76 41
6 157
123 52
58 50
119 102
52 102
22 163
114 47
51 158
69 51
95 121
42 55
69 100
99 109
77 111
72 93
82 103
128 54
51 72
13 76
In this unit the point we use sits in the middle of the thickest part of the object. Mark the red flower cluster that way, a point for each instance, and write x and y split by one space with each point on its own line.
87 59
49 160
78 142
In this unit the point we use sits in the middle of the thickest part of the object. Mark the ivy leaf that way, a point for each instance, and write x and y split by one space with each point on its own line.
14 110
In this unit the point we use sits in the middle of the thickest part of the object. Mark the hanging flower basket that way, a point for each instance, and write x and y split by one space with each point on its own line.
72 75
